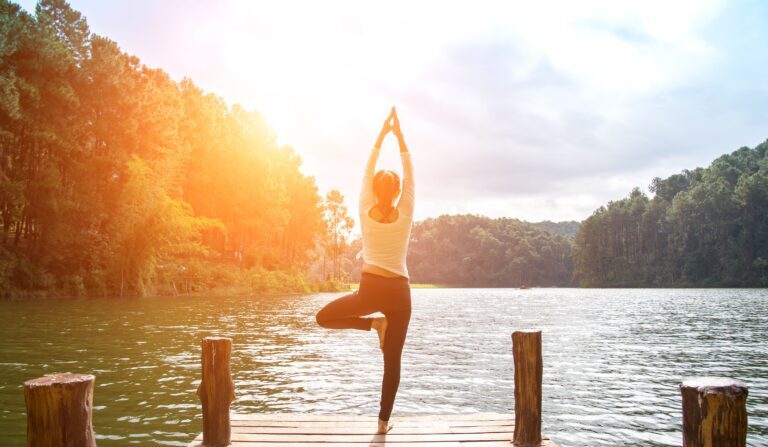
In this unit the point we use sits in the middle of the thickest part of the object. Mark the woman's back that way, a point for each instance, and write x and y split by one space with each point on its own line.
385 244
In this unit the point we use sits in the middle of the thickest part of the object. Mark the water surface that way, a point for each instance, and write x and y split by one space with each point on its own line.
613 359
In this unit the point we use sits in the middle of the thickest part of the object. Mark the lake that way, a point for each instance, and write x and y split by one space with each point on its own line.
613 358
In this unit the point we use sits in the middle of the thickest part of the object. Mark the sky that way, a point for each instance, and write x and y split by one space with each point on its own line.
539 110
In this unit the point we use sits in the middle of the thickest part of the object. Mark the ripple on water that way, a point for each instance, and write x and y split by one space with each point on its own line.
613 359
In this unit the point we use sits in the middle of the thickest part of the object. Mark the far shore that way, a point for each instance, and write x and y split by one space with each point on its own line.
342 288
356 285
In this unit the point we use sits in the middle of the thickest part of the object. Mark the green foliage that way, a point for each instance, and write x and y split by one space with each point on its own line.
567 228
338 226
706 227
112 174
200 276
470 250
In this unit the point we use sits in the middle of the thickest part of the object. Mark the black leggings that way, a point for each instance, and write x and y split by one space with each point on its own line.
390 296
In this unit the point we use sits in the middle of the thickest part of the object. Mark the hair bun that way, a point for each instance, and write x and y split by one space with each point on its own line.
386 186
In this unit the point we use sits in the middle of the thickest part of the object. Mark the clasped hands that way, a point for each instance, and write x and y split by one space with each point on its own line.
391 124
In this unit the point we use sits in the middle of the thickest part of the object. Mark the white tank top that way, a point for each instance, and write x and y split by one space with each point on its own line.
385 245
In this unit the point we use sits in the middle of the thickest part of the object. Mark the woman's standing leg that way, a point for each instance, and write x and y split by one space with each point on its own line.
346 313
397 329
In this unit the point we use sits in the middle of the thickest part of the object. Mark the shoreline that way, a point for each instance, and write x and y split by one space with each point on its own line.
22 295
346 287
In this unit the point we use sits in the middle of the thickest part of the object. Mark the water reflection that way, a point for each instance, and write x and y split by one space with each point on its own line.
613 358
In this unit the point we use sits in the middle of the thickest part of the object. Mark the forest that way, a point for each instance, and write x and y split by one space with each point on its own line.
477 251
470 250
705 227
117 180
567 228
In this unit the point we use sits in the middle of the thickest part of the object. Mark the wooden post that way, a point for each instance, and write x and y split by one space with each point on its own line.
526 349
59 411
216 391
714 412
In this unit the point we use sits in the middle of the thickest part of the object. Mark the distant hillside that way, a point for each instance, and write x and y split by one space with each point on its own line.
567 228
704 227
478 251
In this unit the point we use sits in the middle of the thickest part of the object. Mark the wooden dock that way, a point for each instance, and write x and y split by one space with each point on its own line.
313 430
59 412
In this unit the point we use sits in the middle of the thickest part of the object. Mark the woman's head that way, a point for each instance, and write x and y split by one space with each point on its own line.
386 187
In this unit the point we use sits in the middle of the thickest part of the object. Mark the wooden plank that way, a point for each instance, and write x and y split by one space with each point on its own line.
510 428
389 438
317 430
350 424
361 430
341 444
333 417
544 443
368 429
508 421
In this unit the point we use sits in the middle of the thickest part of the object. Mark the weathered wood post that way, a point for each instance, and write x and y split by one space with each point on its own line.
59 411
216 391
526 350
714 412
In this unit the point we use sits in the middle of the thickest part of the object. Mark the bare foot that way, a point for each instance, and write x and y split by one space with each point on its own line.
384 427
380 324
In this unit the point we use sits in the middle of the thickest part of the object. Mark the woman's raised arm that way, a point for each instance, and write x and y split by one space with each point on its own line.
367 199
408 196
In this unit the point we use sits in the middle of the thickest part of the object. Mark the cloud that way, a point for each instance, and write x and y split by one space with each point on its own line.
537 110
578 118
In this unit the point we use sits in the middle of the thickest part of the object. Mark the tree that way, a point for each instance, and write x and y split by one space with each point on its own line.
703 227
151 226
470 250
109 168
338 226
761 264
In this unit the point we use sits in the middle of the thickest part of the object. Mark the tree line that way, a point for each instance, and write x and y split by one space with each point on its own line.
116 179
470 250
703 227
706 227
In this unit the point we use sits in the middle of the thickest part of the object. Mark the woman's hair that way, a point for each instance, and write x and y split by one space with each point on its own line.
386 187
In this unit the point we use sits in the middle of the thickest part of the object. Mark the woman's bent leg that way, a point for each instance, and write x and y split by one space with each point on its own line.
345 313
397 328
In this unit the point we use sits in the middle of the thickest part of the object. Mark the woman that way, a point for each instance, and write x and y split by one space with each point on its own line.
384 285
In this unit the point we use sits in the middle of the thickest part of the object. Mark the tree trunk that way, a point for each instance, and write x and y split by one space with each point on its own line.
20 227
59 410
216 391
325 249
526 349
714 412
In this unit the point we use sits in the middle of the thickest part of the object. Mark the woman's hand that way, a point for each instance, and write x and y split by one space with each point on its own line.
396 130
386 128
395 123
